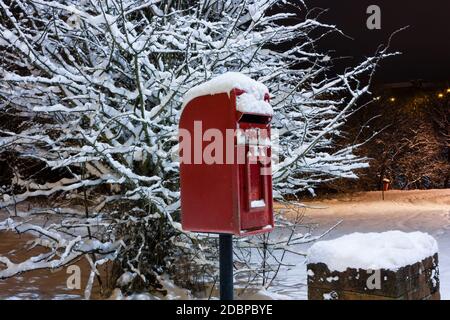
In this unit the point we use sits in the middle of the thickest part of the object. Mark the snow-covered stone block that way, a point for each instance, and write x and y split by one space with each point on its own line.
388 265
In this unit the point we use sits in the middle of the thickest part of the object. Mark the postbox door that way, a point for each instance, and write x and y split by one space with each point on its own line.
255 183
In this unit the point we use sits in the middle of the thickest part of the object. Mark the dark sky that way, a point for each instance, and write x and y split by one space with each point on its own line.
425 44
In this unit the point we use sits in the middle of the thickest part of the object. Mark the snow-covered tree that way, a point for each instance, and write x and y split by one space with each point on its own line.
95 89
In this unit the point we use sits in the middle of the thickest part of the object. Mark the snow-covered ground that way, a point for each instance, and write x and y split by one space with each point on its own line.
426 211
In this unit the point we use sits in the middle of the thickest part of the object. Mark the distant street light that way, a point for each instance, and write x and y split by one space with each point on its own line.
440 95
392 99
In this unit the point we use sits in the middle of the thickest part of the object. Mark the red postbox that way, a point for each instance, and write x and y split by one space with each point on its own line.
232 196
386 184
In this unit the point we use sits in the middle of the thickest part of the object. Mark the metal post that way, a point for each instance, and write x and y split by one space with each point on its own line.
226 266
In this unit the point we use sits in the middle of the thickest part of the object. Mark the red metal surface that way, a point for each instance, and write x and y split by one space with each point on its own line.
216 198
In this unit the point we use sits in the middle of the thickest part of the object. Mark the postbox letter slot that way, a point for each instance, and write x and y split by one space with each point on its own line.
254 118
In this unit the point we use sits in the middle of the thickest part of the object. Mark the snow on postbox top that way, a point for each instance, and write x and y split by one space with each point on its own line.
389 250
253 97
225 157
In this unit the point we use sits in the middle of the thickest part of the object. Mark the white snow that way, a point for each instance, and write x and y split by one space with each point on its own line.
263 294
252 101
386 250
125 278
258 203
330 296
331 279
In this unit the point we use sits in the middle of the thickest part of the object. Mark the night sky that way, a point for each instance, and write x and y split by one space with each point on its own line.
425 44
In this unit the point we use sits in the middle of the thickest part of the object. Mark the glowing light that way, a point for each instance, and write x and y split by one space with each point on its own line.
448 90
440 95
377 98
392 99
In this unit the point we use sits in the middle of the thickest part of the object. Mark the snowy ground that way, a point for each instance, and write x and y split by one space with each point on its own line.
427 211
